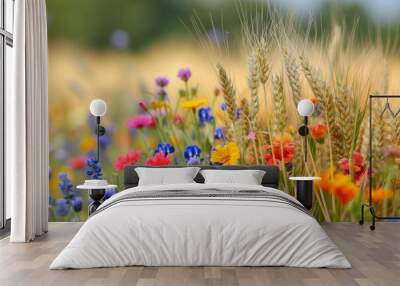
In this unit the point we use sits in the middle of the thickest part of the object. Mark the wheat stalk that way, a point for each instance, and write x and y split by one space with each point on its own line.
293 75
280 118
345 117
317 84
228 92
253 82
378 138
397 130
322 92
244 118
262 62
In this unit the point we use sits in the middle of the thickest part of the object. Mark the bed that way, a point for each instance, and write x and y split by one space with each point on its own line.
197 224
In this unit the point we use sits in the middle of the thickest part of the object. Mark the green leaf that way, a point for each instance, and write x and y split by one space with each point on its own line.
182 93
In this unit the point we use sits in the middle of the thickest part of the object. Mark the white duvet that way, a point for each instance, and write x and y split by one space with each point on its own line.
200 231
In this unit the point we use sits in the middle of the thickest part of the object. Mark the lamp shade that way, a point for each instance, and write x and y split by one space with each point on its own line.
98 107
305 107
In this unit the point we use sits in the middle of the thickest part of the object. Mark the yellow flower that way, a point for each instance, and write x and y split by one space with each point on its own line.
194 103
284 138
290 129
227 154
88 143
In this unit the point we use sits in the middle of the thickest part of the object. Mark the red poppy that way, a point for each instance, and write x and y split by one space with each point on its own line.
78 163
131 158
282 151
318 131
159 159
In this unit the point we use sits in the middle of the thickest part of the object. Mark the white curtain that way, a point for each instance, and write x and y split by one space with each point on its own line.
27 144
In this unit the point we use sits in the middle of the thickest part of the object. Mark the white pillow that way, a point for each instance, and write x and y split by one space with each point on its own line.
248 177
166 176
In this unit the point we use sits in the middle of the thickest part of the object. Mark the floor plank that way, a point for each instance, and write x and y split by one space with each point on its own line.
375 257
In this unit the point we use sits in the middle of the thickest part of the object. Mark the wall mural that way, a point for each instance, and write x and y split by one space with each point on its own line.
230 98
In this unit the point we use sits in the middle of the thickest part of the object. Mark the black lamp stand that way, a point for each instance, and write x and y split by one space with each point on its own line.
100 131
304 131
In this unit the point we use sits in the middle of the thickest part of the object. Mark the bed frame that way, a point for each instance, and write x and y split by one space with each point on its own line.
270 179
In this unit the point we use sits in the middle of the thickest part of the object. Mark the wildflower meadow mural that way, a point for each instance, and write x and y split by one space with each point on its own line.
229 97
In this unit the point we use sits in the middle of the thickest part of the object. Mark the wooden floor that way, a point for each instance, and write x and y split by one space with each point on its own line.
375 257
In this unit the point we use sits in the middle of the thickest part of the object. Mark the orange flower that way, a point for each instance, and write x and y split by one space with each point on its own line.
326 180
379 194
318 131
314 100
338 184
343 188
282 150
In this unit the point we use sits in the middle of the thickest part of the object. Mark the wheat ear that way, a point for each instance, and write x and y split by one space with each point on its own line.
244 119
345 117
293 75
253 82
279 103
397 130
322 92
228 92
262 62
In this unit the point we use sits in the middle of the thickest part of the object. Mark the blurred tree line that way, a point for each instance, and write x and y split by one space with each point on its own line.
134 24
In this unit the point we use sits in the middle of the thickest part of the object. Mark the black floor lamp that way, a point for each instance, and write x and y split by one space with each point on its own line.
98 108
304 185
305 109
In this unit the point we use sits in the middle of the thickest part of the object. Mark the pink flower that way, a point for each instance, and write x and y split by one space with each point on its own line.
142 121
159 159
161 81
178 119
184 74
359 166
251 136
131 158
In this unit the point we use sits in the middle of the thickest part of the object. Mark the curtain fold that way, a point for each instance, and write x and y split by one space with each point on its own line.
27 122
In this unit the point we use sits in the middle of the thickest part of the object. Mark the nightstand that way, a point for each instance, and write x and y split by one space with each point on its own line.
96 191
304 190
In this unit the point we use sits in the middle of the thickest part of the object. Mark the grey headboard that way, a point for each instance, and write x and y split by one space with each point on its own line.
271 177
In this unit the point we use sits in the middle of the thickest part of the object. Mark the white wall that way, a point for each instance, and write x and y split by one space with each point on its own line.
8 85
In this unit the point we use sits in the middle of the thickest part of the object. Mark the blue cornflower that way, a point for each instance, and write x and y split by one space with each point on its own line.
164 148
192 155
77 204
109 194
93 169
62 207
205 115
193 161
223 106
238 110
219 133
106 139
238 113
66 187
